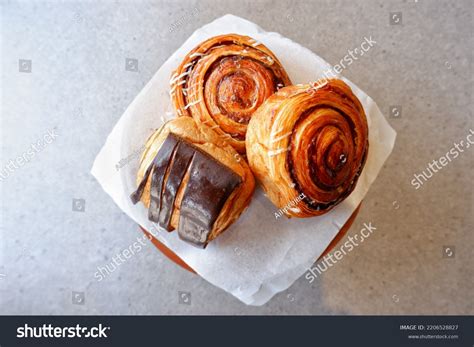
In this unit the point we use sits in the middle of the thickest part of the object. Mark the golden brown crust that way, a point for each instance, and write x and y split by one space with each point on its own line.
308 143
211 143
223 81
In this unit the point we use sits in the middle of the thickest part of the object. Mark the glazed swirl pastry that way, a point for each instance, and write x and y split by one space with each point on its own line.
192 180
307 145
223 81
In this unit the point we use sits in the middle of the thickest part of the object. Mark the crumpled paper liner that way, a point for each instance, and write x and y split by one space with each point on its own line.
259 255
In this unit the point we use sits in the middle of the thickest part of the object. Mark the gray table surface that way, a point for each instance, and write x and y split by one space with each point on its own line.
79 84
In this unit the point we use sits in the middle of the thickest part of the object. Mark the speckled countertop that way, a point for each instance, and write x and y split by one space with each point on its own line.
65 81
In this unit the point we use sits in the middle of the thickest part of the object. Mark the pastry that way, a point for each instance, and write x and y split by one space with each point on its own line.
307 146
223 81
192 180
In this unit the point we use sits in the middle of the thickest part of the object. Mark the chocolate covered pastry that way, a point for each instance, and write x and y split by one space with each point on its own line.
192 180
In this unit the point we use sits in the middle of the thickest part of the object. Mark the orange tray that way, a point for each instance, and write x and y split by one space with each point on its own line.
173 257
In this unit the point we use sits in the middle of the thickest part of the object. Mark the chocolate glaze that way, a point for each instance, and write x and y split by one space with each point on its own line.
210 184
137 194
181 160
160 165
208 188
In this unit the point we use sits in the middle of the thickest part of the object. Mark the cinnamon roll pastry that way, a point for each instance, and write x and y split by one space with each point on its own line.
192 180
307 145
223 81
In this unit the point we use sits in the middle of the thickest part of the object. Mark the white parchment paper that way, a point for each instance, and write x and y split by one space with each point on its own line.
259 255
